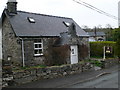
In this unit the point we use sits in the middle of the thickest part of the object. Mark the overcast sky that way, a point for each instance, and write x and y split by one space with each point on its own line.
68 8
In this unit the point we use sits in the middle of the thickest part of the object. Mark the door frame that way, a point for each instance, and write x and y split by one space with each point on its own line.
74 54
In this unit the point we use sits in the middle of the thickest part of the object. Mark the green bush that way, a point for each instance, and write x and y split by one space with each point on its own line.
96 49
95 62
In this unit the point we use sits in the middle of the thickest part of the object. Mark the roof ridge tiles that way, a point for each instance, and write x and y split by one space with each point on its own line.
44 15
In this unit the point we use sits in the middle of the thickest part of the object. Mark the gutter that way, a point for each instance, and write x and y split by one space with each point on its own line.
23 56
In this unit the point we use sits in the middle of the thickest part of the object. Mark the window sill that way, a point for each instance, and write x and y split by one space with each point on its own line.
38 55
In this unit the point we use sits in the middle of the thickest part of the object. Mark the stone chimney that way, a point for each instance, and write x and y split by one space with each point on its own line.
72 30
12 6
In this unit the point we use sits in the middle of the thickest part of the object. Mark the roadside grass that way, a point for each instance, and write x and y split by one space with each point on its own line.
37 66
92 61
95 62
98 57
30 67
101 57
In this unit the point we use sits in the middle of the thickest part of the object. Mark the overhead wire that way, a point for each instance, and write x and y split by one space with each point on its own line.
95 9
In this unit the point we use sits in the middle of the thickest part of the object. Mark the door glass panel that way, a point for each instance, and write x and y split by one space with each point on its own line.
73 51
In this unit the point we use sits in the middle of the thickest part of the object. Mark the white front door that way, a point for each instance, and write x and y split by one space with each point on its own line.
74 54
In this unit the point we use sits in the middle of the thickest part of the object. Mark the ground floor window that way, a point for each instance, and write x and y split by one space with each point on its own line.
38 47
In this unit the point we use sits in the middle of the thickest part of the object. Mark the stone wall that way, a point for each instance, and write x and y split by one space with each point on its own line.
33 74
29 75
10 47
51 53
110 62
107 62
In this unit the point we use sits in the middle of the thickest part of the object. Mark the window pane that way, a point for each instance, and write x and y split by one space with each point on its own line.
36 51
36 46
40 45
31 19
67 24
40 51
72 51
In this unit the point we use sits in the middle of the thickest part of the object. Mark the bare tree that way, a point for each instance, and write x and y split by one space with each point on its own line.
84 27
99 26
108 26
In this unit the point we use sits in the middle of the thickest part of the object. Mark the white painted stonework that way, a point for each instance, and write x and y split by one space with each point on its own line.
74 54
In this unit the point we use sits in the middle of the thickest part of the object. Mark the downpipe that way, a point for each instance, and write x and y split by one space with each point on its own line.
23 56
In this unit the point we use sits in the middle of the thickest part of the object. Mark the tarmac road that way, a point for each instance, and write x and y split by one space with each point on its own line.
0 75
105 81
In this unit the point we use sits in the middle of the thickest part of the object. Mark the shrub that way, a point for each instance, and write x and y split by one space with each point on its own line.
96 48
95 62
56 55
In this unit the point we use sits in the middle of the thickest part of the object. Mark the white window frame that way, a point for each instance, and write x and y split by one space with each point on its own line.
39 48
67 24
31 19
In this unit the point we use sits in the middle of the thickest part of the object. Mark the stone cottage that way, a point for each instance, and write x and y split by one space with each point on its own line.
38 39
96 36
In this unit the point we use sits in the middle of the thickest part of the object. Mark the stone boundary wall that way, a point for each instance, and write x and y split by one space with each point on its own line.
34 74
29 75
110 62
107 62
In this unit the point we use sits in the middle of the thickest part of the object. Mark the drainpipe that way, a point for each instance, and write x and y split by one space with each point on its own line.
23 56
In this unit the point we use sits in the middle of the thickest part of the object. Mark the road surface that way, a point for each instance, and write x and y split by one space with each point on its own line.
105 81
0 74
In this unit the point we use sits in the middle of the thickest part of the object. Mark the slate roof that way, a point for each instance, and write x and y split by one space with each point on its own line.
97 33
45 25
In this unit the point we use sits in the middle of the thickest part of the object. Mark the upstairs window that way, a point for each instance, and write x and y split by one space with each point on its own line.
38 47
31 19
67 24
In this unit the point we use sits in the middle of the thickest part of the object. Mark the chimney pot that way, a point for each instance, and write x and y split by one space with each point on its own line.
12 1
12 6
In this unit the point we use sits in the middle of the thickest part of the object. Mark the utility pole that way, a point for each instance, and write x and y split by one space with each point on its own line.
103 53
95 34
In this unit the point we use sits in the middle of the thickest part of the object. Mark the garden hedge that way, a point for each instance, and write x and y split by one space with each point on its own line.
96 48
